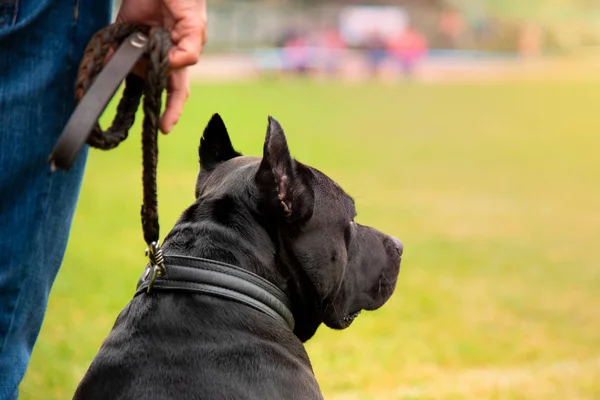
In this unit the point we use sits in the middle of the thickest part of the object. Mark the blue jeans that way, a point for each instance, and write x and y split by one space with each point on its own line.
41 43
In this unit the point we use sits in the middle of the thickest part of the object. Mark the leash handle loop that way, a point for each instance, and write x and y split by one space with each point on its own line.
97 83
102 89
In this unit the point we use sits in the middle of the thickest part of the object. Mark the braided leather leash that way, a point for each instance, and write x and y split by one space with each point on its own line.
96 84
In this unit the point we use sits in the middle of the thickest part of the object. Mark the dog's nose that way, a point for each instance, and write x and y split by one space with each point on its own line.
398 244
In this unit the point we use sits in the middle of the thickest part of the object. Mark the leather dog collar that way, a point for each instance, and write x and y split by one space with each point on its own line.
200 275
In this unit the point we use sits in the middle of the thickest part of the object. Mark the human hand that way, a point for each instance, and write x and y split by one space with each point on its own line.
186 20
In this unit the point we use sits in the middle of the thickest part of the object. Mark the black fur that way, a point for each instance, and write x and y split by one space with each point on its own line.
276 217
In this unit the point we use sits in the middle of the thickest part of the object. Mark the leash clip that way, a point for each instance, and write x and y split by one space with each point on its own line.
156 268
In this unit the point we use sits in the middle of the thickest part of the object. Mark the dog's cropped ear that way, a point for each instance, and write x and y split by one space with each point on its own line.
285 181
215 145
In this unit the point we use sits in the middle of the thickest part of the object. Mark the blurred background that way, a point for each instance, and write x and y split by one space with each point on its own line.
467 128
424 39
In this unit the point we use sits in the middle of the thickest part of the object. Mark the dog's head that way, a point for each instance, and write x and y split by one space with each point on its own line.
330 266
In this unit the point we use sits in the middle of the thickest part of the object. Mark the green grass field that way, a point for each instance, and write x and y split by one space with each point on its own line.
494 190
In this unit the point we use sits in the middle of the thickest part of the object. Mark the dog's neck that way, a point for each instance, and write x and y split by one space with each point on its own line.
248 241
240 240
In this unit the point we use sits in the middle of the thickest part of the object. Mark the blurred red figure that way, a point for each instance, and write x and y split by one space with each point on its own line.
451 25
407 49
332 49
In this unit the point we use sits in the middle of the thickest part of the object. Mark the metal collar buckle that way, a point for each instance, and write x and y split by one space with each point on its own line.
156 267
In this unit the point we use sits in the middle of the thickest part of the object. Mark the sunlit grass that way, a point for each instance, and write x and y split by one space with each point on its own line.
494 190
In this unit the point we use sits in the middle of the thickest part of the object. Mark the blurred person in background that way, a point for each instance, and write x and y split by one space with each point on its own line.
41 44
451 25
407 49
331 50
375 49
297 55
530 41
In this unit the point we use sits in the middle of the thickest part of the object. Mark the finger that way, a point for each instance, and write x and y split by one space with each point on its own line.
130 11
109 55
189 38
185 54
140 68
189 31
178 91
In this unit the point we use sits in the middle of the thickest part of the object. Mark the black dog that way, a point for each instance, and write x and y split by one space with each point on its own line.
281 220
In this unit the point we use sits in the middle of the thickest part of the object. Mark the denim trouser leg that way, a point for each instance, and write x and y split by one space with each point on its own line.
41 43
